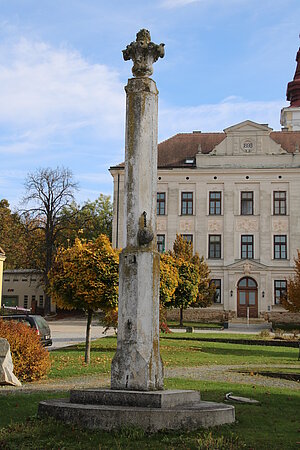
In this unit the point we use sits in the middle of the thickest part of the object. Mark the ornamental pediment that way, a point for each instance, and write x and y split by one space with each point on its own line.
247 126
249 139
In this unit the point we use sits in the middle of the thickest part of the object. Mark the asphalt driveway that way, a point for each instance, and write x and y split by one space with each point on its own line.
66 332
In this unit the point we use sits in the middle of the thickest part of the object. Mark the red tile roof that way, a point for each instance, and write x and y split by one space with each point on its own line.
174 151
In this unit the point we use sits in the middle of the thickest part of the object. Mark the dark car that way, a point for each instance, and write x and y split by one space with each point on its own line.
37 322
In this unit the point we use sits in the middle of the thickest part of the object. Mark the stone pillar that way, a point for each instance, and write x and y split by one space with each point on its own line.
137 364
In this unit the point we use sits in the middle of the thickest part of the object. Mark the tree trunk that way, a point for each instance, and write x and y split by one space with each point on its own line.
181 317
87 356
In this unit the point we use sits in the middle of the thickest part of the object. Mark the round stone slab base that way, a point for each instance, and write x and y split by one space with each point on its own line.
107 417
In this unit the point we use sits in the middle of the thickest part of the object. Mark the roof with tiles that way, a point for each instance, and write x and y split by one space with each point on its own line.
174 151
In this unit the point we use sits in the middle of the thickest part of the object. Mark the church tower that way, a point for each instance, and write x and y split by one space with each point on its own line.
290 116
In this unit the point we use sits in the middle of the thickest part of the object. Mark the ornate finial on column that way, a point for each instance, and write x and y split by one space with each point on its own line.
143 53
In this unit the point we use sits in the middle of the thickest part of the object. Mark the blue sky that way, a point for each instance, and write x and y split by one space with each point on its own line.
62 77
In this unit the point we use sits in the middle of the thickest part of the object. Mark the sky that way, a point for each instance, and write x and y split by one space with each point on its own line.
62 77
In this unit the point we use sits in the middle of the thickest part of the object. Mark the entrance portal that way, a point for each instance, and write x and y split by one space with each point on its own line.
247 298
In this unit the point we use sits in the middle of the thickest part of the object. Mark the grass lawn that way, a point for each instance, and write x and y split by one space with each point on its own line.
175 353
175 324
270 425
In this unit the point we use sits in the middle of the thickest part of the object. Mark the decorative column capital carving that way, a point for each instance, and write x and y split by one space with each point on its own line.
143 53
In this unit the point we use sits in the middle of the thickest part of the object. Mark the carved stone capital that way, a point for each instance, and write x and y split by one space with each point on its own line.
143 53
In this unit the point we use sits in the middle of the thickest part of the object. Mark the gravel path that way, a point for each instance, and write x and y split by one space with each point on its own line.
229 374
224 373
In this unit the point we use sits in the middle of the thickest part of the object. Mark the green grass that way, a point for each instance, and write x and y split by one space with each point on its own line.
69 362
270 425
175 324
180 353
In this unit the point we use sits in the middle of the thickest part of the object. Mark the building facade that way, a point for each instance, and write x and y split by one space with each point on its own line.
23 288
235 195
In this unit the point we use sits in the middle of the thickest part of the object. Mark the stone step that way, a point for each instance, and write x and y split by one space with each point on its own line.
243 320
148 399
110 417
251 326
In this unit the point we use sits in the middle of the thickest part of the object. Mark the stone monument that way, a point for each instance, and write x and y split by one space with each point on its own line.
7 377
137 364
136 397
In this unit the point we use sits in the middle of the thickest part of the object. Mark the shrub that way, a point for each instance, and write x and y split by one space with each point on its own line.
279 333
31 360
265 334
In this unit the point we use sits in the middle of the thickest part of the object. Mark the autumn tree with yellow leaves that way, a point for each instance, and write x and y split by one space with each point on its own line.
194 285
85 276
292 300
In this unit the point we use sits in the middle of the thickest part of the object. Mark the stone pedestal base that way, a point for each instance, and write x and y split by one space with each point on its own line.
107 409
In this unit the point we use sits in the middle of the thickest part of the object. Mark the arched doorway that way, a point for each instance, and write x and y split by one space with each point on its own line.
247 297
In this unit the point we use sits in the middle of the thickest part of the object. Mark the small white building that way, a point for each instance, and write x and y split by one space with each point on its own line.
23 288
236 196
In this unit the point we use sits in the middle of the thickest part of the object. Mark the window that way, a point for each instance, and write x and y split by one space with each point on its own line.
214 246
246 203
215 203
25 304
279 203
188 237
32 299
217 296
280 289
161 243
280 247
41 301
161 204
247 246
186 203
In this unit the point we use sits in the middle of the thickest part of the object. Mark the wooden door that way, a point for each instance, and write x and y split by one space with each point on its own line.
247 298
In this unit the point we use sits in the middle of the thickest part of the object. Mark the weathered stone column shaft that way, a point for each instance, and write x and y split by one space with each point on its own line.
137 364
140 157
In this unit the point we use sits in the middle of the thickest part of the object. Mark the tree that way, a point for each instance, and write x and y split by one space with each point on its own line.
48 192
169 278
194 286
17 240
291 301
206 289
85 276
90 220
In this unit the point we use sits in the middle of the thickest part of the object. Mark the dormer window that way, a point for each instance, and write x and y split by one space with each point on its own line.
189 160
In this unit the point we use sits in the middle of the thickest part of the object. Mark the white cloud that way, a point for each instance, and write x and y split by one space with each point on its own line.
216 117
46 91
177 3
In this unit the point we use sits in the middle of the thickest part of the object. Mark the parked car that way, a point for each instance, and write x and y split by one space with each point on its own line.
37 322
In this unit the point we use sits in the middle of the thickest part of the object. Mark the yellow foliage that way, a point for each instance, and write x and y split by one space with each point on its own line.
86 275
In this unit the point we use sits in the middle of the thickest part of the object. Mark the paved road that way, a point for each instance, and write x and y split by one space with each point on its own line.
68 332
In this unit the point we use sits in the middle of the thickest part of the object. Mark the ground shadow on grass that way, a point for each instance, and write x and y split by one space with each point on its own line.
258 351
76 349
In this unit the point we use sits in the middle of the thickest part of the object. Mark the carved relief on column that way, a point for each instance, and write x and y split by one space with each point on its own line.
186 225
214 225
280 225
246 224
